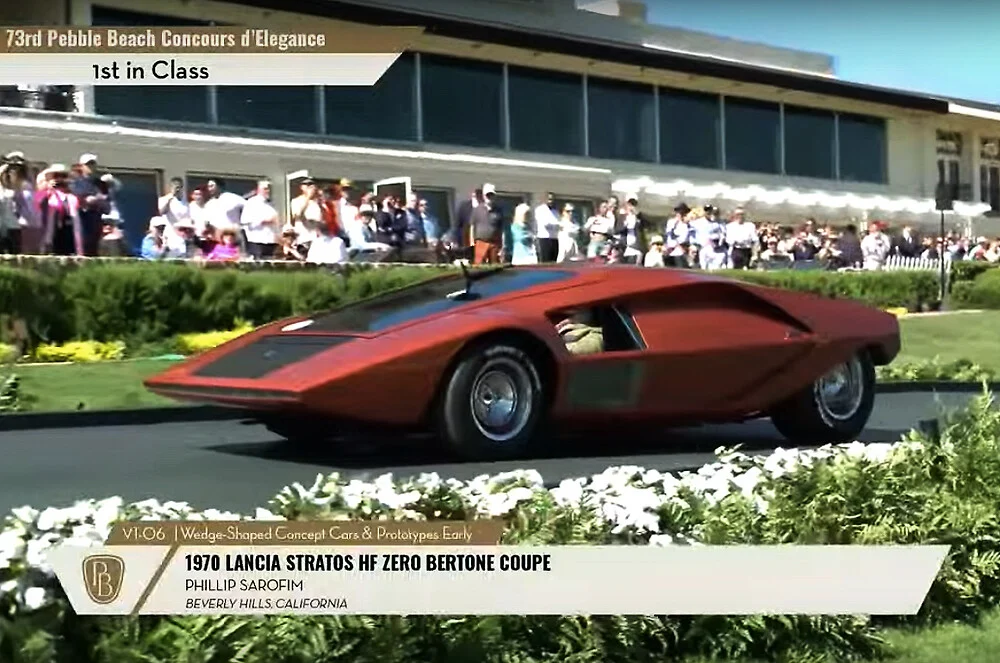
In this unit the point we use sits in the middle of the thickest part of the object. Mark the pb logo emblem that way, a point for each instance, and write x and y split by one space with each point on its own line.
102 577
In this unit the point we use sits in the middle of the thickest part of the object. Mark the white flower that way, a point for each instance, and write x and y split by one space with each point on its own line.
24 514
661 540
49 519
34 598
878 452
12 545
569 492
748 481
264 514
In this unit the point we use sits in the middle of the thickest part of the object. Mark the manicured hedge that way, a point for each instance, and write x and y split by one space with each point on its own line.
916 491
968 270
981 293
150 302
914 290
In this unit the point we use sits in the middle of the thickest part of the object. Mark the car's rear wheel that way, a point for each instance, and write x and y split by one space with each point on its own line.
492 403
835 408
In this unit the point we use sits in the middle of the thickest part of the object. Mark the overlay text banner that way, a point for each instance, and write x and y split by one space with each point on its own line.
373 580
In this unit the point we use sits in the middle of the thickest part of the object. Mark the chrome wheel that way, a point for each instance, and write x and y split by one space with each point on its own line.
840 392
500 399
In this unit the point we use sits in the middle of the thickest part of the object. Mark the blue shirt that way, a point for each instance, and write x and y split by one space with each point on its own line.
150 251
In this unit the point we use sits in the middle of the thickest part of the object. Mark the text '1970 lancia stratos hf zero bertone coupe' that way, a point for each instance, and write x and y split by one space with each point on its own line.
487 358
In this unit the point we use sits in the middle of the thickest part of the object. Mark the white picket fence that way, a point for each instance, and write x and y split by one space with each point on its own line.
899 263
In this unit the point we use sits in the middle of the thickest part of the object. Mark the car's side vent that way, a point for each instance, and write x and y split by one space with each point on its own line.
270 353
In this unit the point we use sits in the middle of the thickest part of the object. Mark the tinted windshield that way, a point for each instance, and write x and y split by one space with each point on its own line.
418 301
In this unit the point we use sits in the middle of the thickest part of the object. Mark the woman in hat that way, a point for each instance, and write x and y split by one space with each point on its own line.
228 248
17 208
62 231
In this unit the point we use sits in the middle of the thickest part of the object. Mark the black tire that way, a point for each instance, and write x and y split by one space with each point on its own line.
817 416
492 373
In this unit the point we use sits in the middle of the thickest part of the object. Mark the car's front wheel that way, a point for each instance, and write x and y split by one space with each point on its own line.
835 408
493 403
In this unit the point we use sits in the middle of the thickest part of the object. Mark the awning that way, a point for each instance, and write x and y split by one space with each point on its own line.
758 196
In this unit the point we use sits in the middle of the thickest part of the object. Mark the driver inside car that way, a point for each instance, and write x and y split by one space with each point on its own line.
581 333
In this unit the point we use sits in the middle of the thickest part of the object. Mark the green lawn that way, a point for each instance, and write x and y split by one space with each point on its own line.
952 643
97 386
974 336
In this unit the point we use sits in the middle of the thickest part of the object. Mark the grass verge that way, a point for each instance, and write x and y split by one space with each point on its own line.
950 643
951 337
112 385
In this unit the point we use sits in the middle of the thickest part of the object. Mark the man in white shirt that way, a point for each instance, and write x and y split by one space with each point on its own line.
741 236
259 219
547 230
713 256
875 247
223 209
175 211
705 226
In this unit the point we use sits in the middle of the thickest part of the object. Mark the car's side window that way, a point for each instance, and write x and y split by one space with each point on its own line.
598 329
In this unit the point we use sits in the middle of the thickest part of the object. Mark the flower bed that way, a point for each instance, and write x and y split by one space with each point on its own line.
915 491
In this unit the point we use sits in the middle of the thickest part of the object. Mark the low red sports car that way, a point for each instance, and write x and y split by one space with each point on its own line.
484 359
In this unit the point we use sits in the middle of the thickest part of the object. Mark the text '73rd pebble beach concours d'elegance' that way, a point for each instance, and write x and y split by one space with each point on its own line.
488 359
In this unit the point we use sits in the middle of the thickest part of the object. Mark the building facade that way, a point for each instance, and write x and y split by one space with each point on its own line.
578 98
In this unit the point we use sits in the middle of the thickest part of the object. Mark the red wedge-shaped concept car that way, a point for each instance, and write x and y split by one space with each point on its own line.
477 358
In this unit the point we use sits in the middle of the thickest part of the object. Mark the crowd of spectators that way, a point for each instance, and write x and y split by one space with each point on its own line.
73 211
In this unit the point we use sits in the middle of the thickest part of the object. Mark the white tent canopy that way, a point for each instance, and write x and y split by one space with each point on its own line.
789 201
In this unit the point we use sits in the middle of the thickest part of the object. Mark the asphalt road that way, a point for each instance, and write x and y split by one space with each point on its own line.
236 466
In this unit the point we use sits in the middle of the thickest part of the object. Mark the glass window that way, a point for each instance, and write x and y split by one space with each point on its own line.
753 136
386 110
424 299
989 185
546 111
136 201
690 128
810 141
179 103
290 108
622 120
862 148
462 101
241 185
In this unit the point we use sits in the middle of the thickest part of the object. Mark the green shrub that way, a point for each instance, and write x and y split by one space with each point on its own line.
35 296
982 293
960 370
968 270
910 289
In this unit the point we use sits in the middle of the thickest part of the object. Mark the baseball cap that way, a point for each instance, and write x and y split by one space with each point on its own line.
87 157
158 222
488 189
